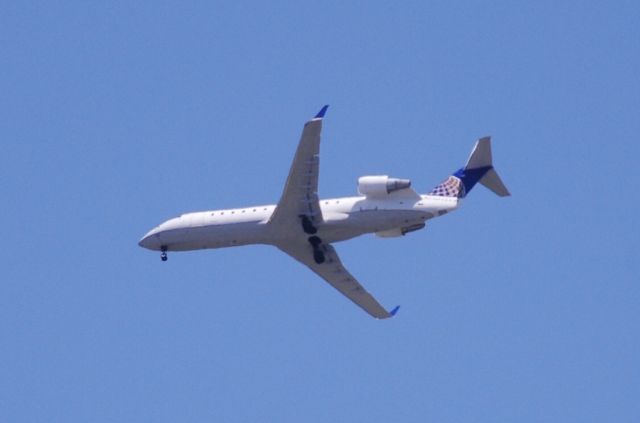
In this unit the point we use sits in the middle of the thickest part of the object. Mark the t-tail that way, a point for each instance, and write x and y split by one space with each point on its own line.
479 168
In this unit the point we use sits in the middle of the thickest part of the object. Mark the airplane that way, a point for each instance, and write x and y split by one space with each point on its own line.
305 227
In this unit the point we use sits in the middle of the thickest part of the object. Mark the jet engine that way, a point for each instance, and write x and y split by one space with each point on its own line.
381 185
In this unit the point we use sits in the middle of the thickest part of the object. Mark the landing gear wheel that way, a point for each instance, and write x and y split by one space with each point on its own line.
307 225
163 255
318 256
315 241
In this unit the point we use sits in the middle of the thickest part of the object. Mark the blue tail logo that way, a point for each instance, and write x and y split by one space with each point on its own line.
450 187
479 168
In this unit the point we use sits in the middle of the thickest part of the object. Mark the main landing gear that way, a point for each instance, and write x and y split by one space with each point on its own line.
307 225
318 254
163 255
315 241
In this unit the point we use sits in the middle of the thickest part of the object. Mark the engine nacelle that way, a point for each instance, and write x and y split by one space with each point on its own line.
381 185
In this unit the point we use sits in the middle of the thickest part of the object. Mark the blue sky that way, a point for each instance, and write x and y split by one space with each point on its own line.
115 117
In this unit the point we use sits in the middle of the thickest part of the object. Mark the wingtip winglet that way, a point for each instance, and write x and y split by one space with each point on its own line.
322 112
394 311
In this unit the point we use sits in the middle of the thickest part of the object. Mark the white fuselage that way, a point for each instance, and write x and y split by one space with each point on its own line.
343 218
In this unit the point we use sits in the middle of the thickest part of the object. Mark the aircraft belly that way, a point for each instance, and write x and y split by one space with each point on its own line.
368 221
214 236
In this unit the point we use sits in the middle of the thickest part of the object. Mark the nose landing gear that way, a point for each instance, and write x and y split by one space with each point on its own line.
163 255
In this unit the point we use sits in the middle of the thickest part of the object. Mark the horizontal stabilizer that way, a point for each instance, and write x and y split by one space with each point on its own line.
492 181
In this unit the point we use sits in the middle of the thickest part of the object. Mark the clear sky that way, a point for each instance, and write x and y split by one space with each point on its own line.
116 116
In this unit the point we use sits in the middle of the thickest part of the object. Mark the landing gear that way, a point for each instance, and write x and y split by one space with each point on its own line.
315 241
307 225
163 255
318 254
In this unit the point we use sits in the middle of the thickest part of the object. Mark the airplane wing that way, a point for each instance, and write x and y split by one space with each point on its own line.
332 271
300 195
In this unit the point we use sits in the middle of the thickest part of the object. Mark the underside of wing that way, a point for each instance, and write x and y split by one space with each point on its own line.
298 215
299 201
331 270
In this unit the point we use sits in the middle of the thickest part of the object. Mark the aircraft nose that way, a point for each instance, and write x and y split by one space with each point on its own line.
150 241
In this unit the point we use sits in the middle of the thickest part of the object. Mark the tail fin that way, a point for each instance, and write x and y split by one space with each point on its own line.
479 168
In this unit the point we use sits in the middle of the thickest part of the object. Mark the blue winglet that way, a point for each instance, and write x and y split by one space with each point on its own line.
321 113
394 311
